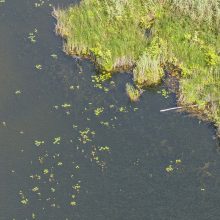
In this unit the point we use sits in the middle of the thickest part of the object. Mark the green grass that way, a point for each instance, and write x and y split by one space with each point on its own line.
145 36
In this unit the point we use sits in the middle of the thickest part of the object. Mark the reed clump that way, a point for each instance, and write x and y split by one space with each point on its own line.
133 93
148 71
144 37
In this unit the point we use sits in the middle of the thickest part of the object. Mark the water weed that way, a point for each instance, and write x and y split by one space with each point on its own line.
38 66
98 111
38 143
57 140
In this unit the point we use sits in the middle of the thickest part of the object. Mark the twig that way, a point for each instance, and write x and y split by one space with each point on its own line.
175 108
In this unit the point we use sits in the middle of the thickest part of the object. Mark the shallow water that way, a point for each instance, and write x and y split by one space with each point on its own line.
116 167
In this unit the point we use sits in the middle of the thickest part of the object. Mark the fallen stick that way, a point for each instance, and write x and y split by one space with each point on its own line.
175 108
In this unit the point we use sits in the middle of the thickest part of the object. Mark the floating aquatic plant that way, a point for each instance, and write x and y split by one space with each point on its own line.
38 66
104 148
39 3
24 200
86 135
66 105
123 109
165 93
32 38
57 140
35 189
59 163
45 171
98 111
169 168
38 143
105 123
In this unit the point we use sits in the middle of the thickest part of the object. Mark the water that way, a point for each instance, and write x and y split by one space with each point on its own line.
126 178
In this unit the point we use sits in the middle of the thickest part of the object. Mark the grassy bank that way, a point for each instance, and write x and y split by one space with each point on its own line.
147 36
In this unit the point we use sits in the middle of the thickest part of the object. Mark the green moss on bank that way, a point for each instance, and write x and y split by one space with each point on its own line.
147 35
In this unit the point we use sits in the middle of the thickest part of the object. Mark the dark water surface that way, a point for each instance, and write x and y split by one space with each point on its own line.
108 166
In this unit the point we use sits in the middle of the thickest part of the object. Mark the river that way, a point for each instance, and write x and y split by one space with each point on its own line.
71 151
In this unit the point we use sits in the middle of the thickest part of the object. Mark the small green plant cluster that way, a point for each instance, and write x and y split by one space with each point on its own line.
57 140
104 76
32 36
98 111
38 143
86 135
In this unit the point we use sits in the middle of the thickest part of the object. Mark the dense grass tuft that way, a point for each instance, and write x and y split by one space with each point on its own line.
132 92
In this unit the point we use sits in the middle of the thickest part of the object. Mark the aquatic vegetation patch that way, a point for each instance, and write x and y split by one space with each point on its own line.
165 93
169 168
24 200
38 4
96 153
104 148
151 38
123 109
99 80
86 135
57 140
46 183
35 189
38 143
174 165
45 171
132 92
105 123
102 77
32 36
97 157
38 66
66 105
99 111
